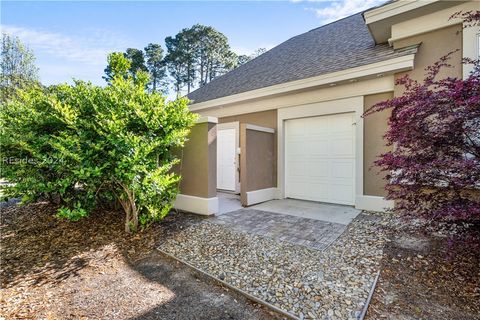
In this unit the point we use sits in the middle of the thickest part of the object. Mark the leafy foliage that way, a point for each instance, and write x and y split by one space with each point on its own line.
194 57
434 128
18 68
180 59
136 60
82 144
242 59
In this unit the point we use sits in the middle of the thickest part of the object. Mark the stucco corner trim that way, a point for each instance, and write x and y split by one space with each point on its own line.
258 128
203 206
207 119
261 195
372 203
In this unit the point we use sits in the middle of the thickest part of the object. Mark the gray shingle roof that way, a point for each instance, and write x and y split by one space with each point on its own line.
340 45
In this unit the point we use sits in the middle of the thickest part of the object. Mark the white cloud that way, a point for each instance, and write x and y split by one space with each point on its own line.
91 50
342 8
61 57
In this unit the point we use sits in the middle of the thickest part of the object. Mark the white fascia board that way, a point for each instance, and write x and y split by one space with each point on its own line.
249 126
207 119
430 22
393 9
398 64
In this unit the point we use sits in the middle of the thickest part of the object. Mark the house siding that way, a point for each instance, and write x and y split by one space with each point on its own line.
374 127
198 166
434 45
258 161
264 118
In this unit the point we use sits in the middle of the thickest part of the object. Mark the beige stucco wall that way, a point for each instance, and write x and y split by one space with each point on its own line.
198 166
264 118
374 127
433 46
258 162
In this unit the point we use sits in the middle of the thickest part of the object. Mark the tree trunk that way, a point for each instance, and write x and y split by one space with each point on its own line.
131 210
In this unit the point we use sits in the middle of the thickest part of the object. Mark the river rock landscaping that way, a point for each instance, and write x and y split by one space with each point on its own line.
308 283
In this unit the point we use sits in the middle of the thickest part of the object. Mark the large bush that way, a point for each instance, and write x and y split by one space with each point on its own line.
82 144
433 169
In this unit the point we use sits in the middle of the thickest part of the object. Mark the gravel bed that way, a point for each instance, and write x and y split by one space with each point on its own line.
329 284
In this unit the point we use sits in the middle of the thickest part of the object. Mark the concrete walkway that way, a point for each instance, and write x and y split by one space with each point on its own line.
312 210
228 202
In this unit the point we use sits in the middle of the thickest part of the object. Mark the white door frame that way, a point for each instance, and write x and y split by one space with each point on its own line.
354 104
236 126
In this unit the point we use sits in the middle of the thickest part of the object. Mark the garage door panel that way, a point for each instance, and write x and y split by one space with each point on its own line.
297 149
320 158
341 193
318 169
297 169
317 126
341 122
319 147
342 169
342 147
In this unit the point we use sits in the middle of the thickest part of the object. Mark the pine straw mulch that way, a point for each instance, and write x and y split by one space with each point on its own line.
91 269
429 273
39 252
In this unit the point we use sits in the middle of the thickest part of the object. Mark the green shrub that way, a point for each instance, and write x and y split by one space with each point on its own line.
81 144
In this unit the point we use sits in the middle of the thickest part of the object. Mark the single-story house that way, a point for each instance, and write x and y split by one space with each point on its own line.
289 124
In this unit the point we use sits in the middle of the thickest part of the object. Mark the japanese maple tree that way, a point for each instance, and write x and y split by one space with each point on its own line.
433 168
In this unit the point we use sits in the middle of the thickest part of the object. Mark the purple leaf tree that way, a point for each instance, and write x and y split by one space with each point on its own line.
433 170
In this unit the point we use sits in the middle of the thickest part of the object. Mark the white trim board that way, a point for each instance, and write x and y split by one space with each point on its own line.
208 119
392 9
319 109
258 128
203 206
372 203
320 94
261 195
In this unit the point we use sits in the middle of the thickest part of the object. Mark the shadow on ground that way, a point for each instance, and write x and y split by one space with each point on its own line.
91 269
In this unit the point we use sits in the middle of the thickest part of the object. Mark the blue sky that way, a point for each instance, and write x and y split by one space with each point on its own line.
72 39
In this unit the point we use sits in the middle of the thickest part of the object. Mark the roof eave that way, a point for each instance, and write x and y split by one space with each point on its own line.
390 66
379 20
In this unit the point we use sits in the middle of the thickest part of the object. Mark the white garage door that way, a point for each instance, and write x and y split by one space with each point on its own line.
320 158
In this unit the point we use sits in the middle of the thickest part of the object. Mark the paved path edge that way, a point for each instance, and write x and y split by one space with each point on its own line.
238 290
369 298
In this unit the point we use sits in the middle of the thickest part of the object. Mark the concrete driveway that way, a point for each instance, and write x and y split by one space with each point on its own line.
328 212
